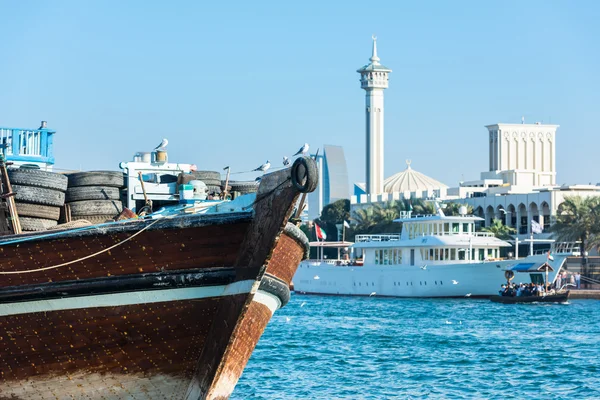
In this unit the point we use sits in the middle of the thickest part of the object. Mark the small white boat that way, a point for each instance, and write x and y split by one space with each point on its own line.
434 256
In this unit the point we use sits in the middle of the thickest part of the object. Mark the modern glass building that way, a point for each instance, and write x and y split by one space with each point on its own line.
333 180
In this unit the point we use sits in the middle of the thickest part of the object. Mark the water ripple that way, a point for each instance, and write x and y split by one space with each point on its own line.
380 348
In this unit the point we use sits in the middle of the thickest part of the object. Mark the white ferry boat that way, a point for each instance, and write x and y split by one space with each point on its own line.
434 256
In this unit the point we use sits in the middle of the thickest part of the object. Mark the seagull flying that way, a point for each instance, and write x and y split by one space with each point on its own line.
303 149
263 167
316 277
303 304
372 294
454 282
423 267
287 319
286 161
162 145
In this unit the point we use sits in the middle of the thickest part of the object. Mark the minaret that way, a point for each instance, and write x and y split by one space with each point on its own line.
373 79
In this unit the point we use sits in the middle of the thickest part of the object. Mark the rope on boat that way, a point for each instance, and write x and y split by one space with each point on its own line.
82 258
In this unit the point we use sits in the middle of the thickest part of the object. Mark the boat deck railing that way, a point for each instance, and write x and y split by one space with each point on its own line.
27 145
378 238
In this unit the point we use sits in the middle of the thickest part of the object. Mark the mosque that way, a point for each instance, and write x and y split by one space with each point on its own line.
519 186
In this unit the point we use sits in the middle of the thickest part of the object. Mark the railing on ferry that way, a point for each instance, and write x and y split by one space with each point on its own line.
377 238
29 145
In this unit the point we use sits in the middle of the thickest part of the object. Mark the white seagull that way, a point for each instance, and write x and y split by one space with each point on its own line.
372 294
263 167
423 267
468 295
162 145
303 304
286 161
316 277
454 282
287 319
303 149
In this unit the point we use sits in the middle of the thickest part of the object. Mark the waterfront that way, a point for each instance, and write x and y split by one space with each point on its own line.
381 348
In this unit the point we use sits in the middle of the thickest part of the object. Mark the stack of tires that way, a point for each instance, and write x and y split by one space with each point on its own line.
239 188
39 196
95 196
212 180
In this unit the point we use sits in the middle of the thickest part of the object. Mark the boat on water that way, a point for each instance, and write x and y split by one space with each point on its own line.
433 256
550 298
166 306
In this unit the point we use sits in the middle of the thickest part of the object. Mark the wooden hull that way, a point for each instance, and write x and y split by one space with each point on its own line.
174 312
556 298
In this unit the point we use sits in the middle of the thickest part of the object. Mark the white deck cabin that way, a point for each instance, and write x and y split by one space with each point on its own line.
430 239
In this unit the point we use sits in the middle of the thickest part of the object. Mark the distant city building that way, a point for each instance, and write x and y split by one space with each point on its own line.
28 146
374 79
333 180
520 184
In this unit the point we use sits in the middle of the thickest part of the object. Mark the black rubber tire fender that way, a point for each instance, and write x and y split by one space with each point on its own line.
92 193
96 207
37 178
305 174
38 211
206 176
94 219
97 178
37 195
213 189
36 224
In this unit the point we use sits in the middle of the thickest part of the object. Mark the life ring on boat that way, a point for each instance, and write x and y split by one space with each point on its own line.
509 275
305 174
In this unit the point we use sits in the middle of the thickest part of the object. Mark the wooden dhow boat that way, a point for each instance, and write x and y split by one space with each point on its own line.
156 308
550 298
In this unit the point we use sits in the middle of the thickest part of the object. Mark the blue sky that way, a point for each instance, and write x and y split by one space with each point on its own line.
237 83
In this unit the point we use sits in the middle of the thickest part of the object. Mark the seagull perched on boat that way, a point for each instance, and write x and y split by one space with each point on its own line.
423 267
286 161
162 145
372 294
303 149
263 167
454 282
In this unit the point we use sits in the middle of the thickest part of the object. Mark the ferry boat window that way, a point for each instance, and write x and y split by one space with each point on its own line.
537 279
437 254
446 228
453 254
446 253
441 254
455 227
430 254
376 257
461 254
386 257
465 228
435 229
481 254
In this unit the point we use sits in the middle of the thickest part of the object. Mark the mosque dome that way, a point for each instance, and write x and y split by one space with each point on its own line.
410 180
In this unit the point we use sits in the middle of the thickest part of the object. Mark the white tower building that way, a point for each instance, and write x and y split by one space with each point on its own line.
373 79
522 154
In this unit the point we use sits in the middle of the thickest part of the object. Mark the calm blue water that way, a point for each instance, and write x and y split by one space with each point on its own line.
381 348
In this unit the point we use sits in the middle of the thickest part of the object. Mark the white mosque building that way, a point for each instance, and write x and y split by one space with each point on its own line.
519 186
